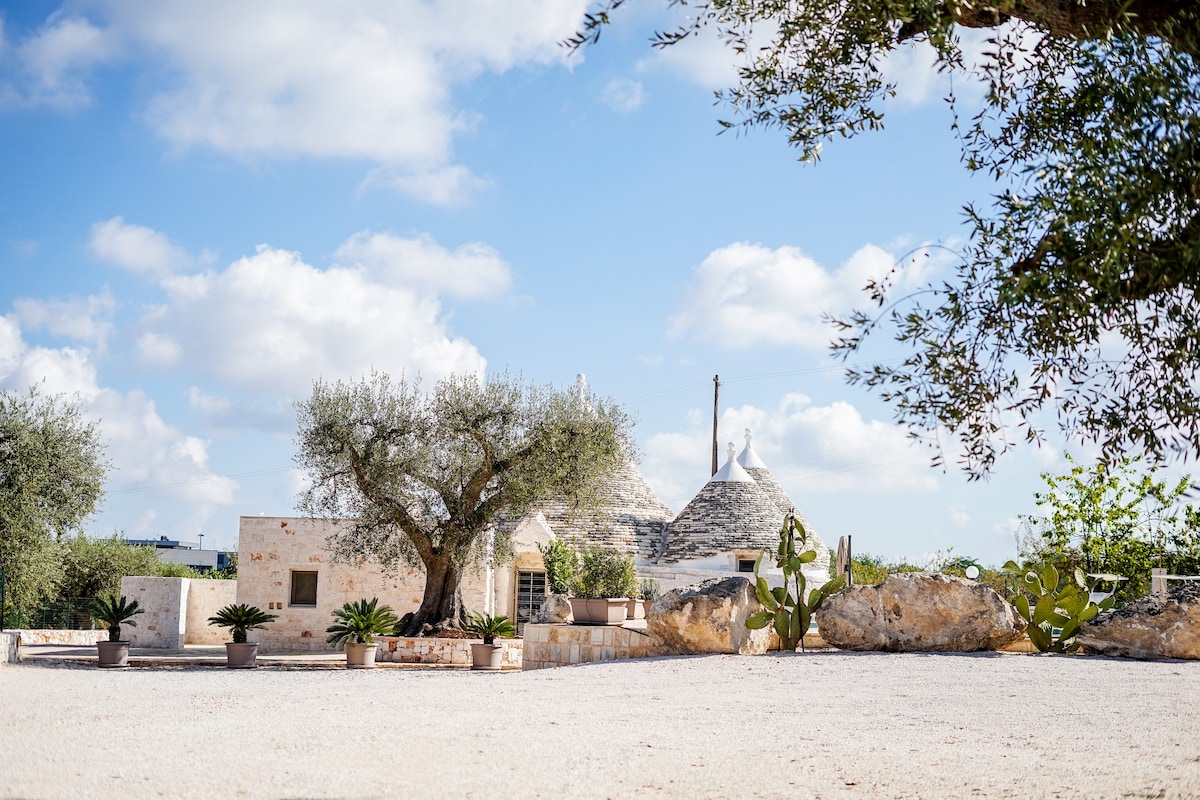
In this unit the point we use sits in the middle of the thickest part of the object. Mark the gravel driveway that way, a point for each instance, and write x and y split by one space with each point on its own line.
822 725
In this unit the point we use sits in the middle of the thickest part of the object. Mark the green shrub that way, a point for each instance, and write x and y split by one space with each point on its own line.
562 566
606 573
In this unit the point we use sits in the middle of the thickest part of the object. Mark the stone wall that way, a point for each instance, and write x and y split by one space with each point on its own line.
176 611
403 650
9 645
60 636
674 576
204 599
163 621
559 645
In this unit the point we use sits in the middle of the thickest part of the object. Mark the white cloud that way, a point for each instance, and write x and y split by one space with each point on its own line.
449 186
54 61
368 80
137 248
159 351
271 321
958 516
746 294
706 60
473 270
85 319
808 448
623 95
143 448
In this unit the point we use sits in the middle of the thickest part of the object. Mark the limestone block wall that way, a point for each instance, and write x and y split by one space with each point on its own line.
404 650
163 621
272 549
51 636
559 645
204 599
9 644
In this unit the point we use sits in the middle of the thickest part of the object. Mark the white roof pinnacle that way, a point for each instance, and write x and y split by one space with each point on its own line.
748 458
732 472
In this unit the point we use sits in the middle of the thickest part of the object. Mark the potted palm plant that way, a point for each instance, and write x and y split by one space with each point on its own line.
489 654
114 612
356 624
240 654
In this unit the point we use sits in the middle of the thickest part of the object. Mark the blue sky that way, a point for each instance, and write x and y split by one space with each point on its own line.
206 206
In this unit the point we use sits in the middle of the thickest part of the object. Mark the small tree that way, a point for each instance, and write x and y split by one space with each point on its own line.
1112 519
424 478
52 471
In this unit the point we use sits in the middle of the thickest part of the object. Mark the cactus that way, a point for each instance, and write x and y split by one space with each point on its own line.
1057 611
786 606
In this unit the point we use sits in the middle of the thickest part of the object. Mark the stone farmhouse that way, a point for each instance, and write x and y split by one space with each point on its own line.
283 566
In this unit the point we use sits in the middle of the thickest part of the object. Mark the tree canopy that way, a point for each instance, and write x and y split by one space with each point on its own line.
423 478
1076 291
52 471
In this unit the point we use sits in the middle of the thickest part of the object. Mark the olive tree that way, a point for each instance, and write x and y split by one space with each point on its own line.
52 471
423 478
1076 290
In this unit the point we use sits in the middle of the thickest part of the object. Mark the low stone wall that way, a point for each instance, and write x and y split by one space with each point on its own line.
427 650
8 648
558 645
60 636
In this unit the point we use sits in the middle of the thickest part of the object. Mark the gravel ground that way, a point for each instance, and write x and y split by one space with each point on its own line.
819 725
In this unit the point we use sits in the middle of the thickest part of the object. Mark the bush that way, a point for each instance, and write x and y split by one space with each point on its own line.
607 573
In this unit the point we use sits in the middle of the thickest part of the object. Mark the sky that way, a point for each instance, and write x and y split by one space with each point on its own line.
206 206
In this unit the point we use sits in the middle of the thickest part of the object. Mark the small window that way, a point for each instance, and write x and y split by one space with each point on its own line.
304 588
745 565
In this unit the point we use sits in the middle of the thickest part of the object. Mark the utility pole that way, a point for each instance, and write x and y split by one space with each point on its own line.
716 395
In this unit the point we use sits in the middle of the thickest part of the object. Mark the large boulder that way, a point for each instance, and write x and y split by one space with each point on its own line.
1153 627
554 610
914 611
709 618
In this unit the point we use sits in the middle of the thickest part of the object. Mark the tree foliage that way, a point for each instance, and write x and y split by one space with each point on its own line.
1119 520
52 471
1075 292
94 566
421 478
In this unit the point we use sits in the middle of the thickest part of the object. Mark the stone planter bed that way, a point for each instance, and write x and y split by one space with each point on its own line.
428 650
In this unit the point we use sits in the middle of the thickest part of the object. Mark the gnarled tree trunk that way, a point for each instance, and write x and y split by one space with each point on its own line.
442 605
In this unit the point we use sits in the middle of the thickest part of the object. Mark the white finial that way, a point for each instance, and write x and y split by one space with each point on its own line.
732 451
749 436
581 386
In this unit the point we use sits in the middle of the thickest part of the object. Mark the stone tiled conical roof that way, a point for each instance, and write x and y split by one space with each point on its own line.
731 512
754 465
630 519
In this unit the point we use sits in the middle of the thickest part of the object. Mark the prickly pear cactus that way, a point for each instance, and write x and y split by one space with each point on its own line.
786 606
1057 612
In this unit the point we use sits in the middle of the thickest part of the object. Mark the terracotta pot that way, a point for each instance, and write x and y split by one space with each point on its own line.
608 610
112 654
636 609
361 656
241 655
486 656
579 611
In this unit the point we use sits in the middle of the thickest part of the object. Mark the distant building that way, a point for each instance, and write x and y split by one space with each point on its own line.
187 553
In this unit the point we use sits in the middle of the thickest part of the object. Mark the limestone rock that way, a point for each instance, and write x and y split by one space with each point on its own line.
709 618
918 612
555 610
1153 627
